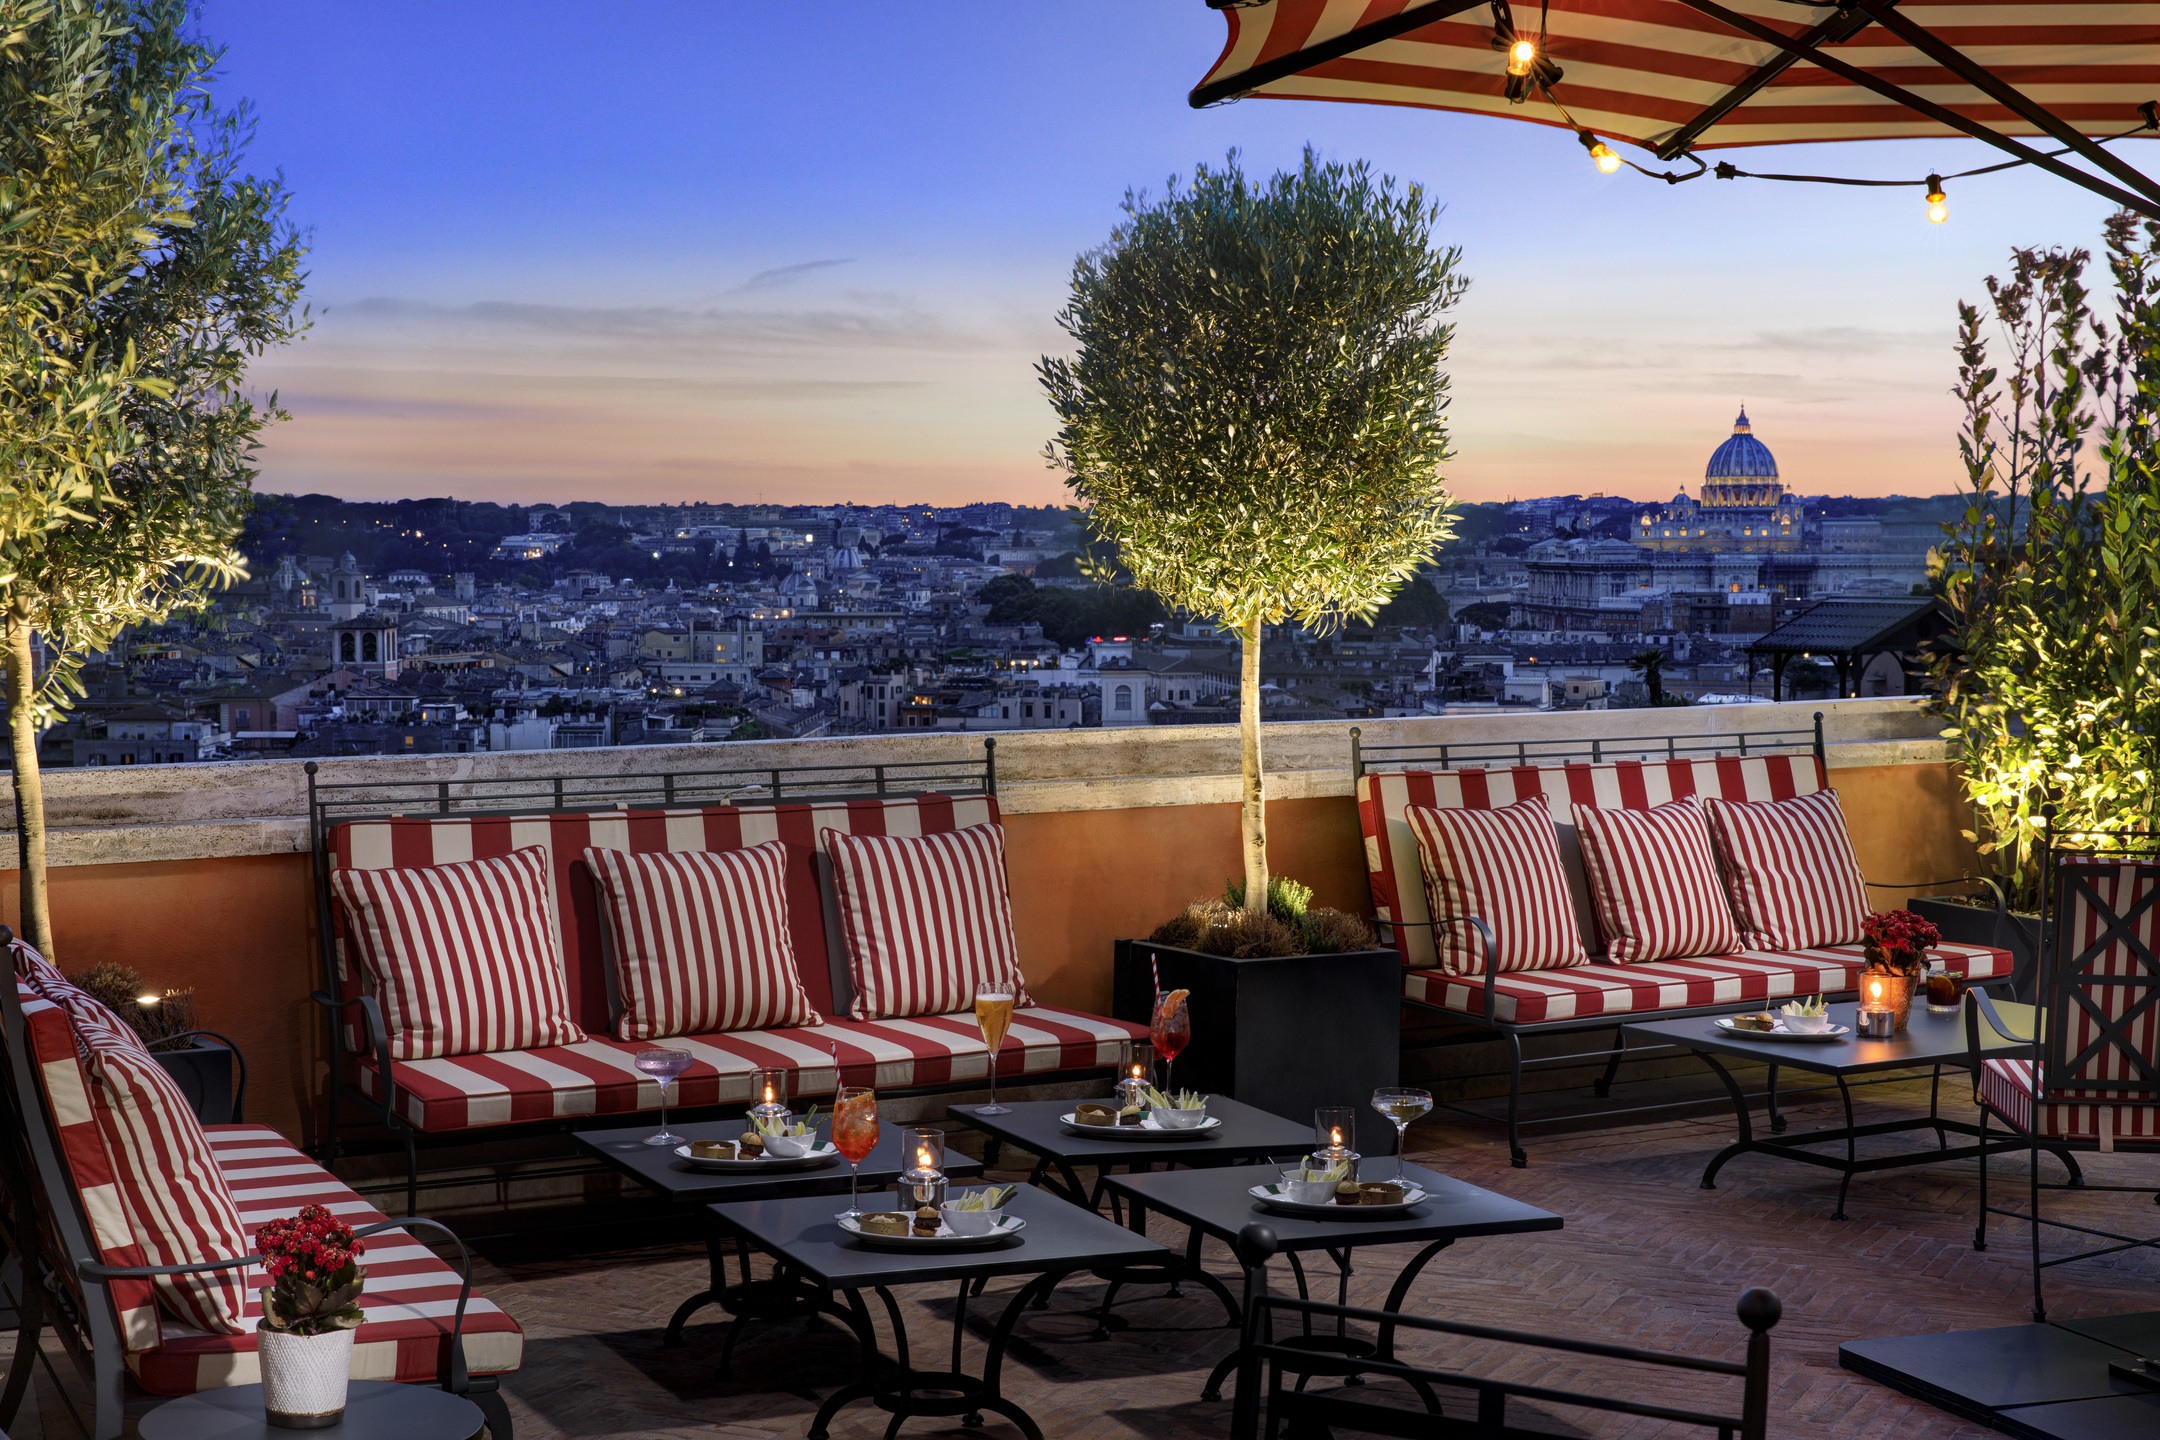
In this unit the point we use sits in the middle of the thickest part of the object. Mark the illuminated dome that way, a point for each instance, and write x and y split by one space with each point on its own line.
1743 457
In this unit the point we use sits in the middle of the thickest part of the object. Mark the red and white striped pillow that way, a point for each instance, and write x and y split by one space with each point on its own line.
1503 866
700 940
1790 871
928 920
1654 878
465 958
171 1193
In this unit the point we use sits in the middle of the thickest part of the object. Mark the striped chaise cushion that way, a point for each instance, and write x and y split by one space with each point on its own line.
597 1078
408 1303
1502 866
1790 870
2009 1088
463 957
701 941
1654 878
1385 797
928 920
1749 978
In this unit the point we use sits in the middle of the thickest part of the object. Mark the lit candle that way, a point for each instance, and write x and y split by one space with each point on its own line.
923 1159
1874 991
1334 1138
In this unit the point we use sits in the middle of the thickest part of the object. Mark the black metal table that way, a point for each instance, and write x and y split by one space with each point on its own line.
374 1410
1246 1134
1930 1039
803 1237
781 1297
1218 1203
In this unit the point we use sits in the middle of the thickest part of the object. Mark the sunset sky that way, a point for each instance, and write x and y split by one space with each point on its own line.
809 252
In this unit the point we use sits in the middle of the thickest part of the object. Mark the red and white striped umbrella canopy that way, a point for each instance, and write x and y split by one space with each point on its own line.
1673 75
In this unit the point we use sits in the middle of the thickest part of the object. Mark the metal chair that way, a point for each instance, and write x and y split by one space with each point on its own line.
2091 1077
1266 1404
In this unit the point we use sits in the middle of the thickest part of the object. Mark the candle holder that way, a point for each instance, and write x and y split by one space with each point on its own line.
923 1182
1335 1135
768 1096
1136 1061
1877 1022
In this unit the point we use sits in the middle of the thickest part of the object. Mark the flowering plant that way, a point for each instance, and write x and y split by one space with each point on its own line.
315 1279
1899 940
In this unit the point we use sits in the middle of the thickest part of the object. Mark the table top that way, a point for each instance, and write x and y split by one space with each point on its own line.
657 1167
374 1410
1217 1202
1059 1236
1034 1126
1930 1037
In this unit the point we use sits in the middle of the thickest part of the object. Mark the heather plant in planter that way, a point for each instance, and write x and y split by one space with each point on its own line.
310 1310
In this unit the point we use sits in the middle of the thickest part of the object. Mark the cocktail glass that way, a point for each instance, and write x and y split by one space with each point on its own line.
1170 1030
1401 1107
663 1065
993 1014
855 1135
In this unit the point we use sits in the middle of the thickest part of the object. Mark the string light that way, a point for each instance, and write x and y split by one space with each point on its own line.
1521 56
1602 155
1937 202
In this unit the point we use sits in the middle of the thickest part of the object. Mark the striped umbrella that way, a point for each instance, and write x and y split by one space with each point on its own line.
1676 76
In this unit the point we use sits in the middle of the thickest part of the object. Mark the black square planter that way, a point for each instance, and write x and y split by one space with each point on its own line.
1288 1035
204 1073
1962 924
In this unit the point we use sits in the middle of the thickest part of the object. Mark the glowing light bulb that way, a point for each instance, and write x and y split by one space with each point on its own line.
1937 202
1521 56
147 1001
1607 158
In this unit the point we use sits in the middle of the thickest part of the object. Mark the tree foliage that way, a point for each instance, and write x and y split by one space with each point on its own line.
1254 408
2048 678
140 272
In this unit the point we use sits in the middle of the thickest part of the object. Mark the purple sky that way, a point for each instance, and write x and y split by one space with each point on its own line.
810 252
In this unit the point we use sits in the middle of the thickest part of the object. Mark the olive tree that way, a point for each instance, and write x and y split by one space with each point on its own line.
1253 409
140 271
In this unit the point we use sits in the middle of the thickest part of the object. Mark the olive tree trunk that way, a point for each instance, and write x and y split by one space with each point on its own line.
1254 802
29 787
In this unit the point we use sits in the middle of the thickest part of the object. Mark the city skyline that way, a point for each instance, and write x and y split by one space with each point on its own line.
734 257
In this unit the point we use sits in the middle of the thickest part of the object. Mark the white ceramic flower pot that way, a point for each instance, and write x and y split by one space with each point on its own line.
304 1378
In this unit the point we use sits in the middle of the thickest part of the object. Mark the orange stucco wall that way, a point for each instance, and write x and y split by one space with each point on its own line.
239 931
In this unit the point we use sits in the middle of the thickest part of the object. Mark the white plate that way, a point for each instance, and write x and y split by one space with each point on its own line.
1146 1130
1008 1228
1835 1032
1414 1194
818 1159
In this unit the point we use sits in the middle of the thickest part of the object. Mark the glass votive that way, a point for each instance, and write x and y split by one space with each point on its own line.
768 1094
1136 1060
924 1150
1877 1023
1335 1129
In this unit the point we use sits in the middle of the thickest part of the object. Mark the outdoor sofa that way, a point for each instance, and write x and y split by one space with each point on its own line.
885 946
1574 890
129 1227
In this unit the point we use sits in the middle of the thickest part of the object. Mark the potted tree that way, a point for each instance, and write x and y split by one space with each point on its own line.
1253 421
2047 676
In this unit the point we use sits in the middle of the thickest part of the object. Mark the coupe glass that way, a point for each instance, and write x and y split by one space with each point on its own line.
993 1013
1170 1030
663 1065
1401 1107
855 1135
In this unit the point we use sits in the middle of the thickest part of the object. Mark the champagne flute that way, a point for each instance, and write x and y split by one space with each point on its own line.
1401 1107
993 1014
854 1135
1170 1030
663 1065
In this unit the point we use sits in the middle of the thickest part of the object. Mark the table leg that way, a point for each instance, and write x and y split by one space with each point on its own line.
1741 1119
1852 1147
1777 1116
1400 1292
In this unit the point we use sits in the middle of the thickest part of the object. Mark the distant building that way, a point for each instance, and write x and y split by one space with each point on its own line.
1744 506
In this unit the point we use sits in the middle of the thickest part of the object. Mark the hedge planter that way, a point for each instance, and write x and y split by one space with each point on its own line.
1963 924
204 1072
1286 1034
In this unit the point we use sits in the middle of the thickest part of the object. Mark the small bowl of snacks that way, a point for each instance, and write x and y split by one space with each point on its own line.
1806 1017
1312 1181
892 1223
787 1138
1186 1110
976 1211
712 1149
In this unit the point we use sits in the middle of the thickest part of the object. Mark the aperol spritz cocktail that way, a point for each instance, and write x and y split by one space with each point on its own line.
993 1015
855 1134
1170 1028
663 1065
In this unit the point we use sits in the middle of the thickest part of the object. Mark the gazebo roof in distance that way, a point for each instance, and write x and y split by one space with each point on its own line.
1854 627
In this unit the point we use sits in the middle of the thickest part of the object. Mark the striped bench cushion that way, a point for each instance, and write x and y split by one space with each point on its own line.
409 1301
928 920
2008 1088
596 1077
1790 869
1384 798
1654 876
1751 977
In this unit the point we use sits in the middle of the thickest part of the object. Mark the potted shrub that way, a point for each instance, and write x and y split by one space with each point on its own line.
2052 573
200 1062
310 1310
1253 420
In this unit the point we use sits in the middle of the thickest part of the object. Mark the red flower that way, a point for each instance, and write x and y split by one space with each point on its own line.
1901 931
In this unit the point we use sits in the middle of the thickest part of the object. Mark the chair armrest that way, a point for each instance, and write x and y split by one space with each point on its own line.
1491 968
239 1108
378 1034
1984 1007
452 1370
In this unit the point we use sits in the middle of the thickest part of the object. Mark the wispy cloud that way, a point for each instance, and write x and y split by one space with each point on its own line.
781 276
864 320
